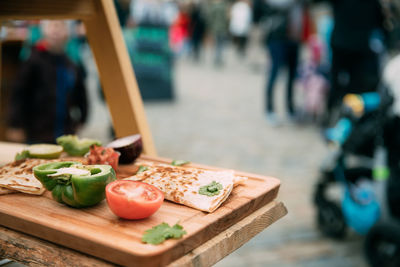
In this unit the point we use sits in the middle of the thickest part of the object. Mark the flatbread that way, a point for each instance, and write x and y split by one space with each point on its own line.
237 179
181 184
18 176
5 191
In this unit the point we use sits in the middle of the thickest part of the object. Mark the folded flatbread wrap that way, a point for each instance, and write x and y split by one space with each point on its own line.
182 184
19 176
5 191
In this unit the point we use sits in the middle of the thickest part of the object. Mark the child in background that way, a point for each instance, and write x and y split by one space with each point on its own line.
49 97
314 83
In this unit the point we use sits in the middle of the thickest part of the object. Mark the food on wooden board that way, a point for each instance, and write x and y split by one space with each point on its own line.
162 232
19 176
130 148
201 189
75 184
103 155
75 146
41 151
187 186
133 200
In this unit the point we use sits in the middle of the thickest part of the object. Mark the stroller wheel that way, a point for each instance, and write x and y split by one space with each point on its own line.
382 245
330 220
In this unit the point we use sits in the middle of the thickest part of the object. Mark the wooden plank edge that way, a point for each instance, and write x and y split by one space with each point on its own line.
205 234
33 251
37 252
49 9
66 240
234 237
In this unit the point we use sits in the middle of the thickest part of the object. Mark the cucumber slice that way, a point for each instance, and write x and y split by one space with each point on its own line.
45 151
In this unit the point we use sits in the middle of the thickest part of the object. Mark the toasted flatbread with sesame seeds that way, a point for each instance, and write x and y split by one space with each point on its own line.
18 176
182 184
5 191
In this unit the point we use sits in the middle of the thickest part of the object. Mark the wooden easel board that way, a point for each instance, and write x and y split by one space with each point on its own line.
98 232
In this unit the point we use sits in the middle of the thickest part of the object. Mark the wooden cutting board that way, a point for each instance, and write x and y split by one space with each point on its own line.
98 232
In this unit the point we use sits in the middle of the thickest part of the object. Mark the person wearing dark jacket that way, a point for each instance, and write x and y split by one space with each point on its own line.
197 29
49 97
283 39
358 25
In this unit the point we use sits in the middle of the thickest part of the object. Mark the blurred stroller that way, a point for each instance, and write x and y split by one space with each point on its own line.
364 160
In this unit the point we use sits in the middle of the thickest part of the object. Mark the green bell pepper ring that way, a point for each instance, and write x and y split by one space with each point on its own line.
75 184
75 146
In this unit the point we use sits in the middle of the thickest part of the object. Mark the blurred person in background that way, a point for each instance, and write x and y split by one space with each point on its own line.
150 44
179 31
217 23
257 10
49 97
356 43
313 82
240 24
197 29
284 31
153 12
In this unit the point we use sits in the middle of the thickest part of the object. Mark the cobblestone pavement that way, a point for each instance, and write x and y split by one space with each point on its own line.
218 119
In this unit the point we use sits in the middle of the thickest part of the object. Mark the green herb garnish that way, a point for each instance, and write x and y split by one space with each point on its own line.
179 162
162 232
211 189
142 169
24 154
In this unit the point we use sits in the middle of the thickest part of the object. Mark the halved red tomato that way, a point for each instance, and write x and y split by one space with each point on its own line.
133 200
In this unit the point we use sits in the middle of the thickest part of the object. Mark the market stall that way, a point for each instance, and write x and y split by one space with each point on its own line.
38 230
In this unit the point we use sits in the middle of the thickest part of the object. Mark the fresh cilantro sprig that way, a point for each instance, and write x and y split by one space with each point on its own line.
142 169
179 162
162 232
24 154
211 189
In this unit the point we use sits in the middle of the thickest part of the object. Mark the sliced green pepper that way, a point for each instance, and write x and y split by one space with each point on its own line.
75 146
75 184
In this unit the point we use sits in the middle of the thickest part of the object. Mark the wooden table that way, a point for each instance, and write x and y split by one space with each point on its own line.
33 251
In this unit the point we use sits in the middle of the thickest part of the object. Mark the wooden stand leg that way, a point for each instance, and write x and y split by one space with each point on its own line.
116 74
